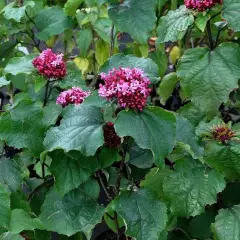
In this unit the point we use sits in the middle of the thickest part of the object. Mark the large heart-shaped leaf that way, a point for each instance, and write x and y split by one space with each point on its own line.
227 224
209 76
173 26
80 129
134 18
231 9
154 129
51 21
145 216
74 212
119 60
191 187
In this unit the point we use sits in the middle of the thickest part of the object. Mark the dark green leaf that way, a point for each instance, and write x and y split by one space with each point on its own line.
5 212
84 39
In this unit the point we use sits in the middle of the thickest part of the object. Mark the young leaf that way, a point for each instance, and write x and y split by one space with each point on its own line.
227 224
173 26
136 19
80 129
209 76
119 60
191 187
145 216
51 21
158 129
71 6
75 212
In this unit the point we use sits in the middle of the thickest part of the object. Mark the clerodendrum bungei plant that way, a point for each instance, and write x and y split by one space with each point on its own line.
120 119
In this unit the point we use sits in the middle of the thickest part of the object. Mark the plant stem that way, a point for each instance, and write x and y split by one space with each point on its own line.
209 32
112 40
46 93
43 171
117 226
103 185
95 77
217 37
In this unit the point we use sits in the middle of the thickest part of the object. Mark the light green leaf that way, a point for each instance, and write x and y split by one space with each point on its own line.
75 212
19 65
201 21
145 217
75 173
186 135
71 6
3 82
103 28
227 224
40 82
209 76
11 236
173 26
136 19
5 211
21 220
102 52
225 159
80 129
157 133
154 181
191 187
10 174
166 87
51 21
84 39
231 9
22 126
119 60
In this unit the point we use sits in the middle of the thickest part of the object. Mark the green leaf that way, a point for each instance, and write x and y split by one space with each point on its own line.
201 21
21 220
227 224
10 174
108 156
154 181
225 159
103 28
173 26
191 187
145 217
71 6
136 19
73 78
141 158
209 76
166 87
19 65
84 39
152 121
51 21
186 135
22 126
11 11
11 236
192 113
102 51
119 60
5 211
51 113
75 171
19 200
6 52
75 212
80 129
231 10
40 82
3 82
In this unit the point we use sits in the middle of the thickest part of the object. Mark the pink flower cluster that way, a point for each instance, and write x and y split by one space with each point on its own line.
128 86
75 95
201 5
50 65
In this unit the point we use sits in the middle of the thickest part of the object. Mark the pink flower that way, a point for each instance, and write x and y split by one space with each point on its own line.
74 95
201 5
128 86
50 65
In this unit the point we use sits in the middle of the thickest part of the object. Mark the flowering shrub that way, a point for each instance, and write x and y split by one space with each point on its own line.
131 132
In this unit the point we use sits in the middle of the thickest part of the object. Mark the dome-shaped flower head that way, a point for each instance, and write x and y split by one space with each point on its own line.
128 86
74 95
50 65
201 5
223 133
111 139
